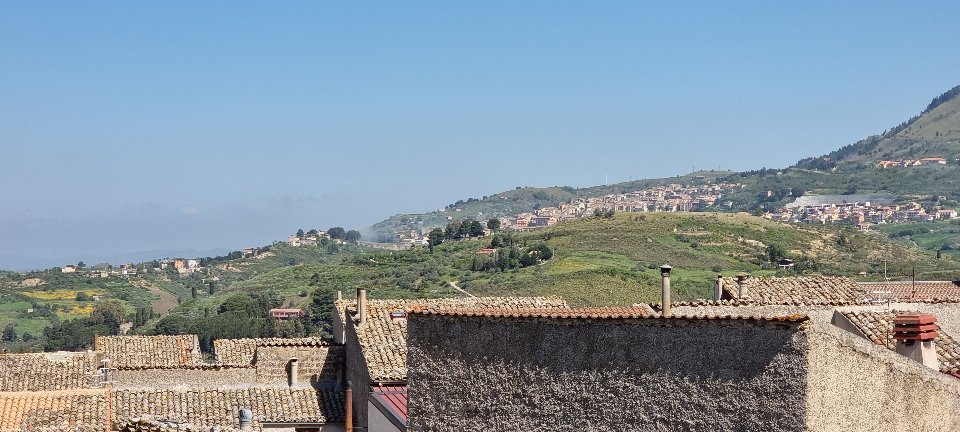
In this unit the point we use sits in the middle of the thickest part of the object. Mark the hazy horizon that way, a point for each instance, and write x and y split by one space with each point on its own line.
132 128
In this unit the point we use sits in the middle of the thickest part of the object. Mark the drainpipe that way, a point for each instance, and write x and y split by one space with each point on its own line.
665 289
292 376
362 305
718 292
348 411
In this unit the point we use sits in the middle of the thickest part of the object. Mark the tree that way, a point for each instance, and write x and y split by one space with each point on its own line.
312 232
81 264
10 333
775 253
110 314
435 237
82 296
476 229
300 233
336 233
493 224
352 236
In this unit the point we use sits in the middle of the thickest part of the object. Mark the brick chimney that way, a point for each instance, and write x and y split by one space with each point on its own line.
915 334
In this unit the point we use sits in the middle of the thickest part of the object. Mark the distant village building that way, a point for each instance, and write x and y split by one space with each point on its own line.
286 313
68 269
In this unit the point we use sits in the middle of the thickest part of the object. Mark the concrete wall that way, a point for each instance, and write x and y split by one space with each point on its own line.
378 421
479 374
857 386
357 374
165 378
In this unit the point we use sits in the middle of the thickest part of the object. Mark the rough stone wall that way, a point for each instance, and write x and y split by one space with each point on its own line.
317 366
856 386
357 374
480 374
167 378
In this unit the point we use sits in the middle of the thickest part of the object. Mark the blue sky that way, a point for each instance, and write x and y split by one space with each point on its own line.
134 128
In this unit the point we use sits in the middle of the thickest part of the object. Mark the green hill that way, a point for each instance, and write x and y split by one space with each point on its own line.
600 261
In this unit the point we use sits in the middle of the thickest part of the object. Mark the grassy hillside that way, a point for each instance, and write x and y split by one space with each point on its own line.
612 261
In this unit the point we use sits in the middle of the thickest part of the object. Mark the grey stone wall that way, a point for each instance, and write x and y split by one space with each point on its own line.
857 386
357 374
479 374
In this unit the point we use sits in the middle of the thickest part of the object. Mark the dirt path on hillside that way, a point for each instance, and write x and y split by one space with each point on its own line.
167 301
461 290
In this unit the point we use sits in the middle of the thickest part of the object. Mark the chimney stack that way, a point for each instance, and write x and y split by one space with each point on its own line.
246 419
665 289
718 290
292 374
915 334
741 281
362 305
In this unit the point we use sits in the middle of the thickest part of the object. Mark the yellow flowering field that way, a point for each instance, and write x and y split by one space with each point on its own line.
61 294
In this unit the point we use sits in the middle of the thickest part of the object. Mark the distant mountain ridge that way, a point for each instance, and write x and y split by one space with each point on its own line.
935 132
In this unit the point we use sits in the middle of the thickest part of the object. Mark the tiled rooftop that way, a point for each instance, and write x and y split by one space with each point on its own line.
383 339
240 352
220 407
47 371
878 327
63 410
151 352
598 313
798 291
920 291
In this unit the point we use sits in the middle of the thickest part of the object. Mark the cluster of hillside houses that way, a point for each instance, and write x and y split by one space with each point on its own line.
668 198
905 163
860 214
786 354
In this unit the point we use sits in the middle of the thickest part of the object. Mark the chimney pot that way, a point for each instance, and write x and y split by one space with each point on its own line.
916 334
362 305
294 372
246 419
718 292
665 289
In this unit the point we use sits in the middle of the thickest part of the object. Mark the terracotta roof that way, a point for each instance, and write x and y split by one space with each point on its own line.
798 291
878 327
383 339
62 410
150 352
597 313
47 371
240 352
922 291
220 407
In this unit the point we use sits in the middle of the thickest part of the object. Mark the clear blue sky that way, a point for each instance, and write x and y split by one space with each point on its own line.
163 126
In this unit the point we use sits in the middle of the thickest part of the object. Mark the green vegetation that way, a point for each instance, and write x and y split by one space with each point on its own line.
594 261
941 236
